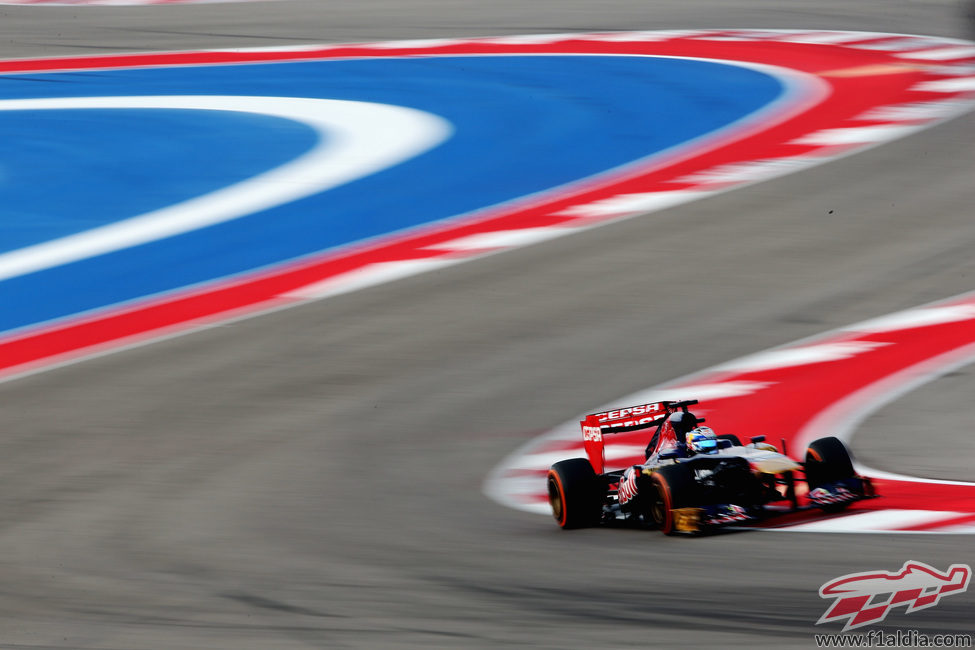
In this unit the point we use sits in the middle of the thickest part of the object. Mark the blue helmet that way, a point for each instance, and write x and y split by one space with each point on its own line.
702 440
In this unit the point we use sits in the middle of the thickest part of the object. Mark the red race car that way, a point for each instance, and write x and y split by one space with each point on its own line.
694 480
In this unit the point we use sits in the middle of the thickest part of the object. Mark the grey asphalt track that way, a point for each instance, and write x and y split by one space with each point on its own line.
312 478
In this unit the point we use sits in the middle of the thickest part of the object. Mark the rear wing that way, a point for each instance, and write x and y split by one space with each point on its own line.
631 418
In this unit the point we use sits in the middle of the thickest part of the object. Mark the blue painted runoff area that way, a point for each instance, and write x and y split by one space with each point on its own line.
523 124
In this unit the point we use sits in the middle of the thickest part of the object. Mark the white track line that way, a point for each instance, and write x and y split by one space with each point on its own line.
751 171
921 111
503 239
633 203
876 520
800 356
959 85
368 276
356 139
912 318
940 54
858 134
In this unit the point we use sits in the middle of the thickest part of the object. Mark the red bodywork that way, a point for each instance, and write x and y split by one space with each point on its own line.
632 418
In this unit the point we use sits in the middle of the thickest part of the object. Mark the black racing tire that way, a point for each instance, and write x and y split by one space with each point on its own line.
574 493
674 487
732 437
827 461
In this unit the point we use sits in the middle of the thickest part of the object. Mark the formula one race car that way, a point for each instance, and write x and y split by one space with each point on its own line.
694 480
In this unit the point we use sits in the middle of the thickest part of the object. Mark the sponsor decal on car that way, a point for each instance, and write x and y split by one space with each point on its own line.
839 494
641 409
628 489
728 514
594 434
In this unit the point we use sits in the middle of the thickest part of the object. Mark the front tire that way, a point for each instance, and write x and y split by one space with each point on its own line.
574 494
828 461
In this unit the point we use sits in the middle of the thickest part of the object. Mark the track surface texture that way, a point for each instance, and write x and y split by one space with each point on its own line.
312 478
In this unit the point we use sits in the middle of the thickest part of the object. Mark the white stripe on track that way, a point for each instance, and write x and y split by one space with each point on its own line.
959 85
940 54
368 276
355 139
503 239
875 520
912 318
751 171
800 356
857 134
921 111
828 38
633 203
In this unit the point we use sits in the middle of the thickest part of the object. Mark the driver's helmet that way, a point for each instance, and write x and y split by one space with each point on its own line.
702 440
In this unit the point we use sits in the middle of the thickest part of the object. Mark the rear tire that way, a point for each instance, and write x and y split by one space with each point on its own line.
673 488
574 493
